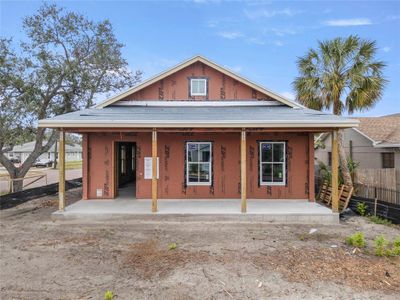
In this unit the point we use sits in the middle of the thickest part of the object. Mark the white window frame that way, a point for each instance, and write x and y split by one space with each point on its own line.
283 183
205 87
188 183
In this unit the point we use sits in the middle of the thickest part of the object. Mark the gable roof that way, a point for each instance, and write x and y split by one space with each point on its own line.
209 63
381 130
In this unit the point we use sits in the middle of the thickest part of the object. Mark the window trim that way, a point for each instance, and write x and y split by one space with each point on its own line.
205 87
209 183
271 183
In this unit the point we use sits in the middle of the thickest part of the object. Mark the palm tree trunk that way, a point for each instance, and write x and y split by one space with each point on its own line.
343 161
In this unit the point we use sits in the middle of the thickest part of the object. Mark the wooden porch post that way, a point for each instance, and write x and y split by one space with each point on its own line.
61 168
154 171
335 172
243 178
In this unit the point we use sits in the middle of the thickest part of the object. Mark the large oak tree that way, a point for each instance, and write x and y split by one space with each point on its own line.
65 61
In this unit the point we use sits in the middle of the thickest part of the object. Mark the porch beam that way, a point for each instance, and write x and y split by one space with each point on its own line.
194 130
61 171
335 172
154 171
243 164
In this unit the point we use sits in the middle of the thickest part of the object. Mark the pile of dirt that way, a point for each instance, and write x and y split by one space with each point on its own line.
148 259
337 265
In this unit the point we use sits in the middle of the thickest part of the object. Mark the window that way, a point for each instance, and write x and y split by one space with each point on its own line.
272 163
198 87
387 160
198 163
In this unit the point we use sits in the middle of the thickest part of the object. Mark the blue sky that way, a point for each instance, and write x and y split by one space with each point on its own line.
260 40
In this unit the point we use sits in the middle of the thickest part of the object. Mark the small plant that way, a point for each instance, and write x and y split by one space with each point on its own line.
379 220
108 295
396 246
381 246
356 240
172 246
362 208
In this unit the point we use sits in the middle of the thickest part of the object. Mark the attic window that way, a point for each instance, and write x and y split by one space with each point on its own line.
198 87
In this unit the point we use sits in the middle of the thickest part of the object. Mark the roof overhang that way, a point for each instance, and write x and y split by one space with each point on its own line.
49 123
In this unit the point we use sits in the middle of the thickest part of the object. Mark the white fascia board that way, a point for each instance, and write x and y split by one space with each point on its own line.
387 145
196 124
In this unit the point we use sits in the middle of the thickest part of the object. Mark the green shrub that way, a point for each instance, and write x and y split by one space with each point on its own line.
379 220
362 208
396 242
381 246
396 247
356 240
108 295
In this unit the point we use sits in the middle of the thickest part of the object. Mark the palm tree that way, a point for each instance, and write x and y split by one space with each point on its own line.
341 75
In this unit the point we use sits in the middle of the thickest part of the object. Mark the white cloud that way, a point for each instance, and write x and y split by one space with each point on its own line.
283 31
348 22
230 35
278 43
386 49
264 13
257 41
289 95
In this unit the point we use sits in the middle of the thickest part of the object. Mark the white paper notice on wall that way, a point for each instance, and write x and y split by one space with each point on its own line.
148 168
99 192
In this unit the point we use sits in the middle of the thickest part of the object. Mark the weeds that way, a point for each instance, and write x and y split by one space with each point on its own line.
172 246
108 295
356 240
379 220
382 246
362 208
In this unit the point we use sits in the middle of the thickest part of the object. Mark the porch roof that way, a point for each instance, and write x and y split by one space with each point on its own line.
250 114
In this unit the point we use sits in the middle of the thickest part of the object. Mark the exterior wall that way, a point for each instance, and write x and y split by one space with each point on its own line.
364 153
176 86
98 168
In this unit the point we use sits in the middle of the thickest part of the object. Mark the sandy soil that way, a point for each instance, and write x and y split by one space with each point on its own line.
81 259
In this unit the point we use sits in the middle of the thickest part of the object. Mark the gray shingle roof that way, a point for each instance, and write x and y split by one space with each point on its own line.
173 116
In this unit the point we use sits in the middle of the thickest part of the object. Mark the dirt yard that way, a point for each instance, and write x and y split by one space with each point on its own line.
81 259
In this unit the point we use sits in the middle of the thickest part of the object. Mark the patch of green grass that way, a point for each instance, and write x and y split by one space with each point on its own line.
69 165
357 240
379 220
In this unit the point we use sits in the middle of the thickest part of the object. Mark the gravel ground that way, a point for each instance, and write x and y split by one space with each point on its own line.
81 259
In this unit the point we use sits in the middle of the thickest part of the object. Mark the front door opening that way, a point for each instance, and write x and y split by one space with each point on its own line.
125 169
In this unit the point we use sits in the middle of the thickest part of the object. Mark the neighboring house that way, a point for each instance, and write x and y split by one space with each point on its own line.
375 144
214 134
72 152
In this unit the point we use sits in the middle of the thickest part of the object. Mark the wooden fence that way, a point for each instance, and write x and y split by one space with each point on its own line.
381 178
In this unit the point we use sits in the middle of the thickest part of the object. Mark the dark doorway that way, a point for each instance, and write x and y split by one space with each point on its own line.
125 168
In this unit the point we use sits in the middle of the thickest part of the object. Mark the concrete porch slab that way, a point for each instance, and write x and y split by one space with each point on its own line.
281 211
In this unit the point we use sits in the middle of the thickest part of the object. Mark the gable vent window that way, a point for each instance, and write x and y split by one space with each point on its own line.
198 87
